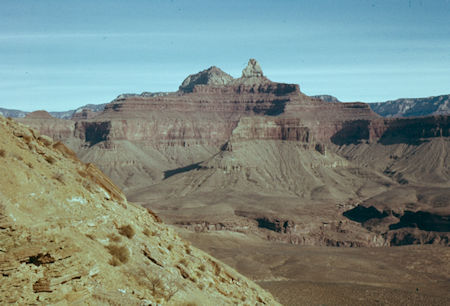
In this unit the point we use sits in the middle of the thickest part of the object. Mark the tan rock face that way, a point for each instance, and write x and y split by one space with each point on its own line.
68 235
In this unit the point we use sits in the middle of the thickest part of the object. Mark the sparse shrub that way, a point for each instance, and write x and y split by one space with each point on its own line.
120 254
90 236
50 159
184 262
146 232
59 177
154 216
222 291
159 290
115 262
216 267
26 138
171 292
127 231
202 267
82 173
30 165
87 185
45 140
157 285
2 153
170 247
187 247
114 238
201 286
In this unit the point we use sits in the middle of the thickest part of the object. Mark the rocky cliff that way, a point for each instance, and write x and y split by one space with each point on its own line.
327 98
13 113
94 108
68 235
411 107
210 76
414 107
258 139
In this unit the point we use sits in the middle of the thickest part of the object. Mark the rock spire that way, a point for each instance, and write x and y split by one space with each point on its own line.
252 70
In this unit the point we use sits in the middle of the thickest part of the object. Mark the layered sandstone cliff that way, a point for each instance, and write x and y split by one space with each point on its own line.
255 138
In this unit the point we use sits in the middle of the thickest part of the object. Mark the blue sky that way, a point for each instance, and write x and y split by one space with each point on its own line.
58 55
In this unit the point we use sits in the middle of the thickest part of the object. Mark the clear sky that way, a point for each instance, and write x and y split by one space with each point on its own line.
58 55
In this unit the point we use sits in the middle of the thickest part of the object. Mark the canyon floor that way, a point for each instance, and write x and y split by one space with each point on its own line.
309 275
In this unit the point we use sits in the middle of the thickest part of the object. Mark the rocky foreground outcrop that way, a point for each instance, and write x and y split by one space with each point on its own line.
68 235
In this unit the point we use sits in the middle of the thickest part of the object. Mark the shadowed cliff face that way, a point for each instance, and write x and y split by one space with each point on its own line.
403 227
415 129
354 132
392 131
93 132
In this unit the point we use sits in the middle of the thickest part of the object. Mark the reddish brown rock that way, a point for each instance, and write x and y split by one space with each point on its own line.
257 139
40 114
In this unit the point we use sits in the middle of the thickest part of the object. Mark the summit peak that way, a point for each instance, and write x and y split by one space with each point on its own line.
253 69
210 76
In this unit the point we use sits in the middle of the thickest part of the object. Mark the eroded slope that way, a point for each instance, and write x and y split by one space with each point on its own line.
68 234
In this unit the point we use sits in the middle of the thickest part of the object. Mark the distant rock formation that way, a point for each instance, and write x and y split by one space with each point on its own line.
84 113
40 114
252 75
95 108
437 105
144 94
13 113
253 70
327 98
210 76
260 135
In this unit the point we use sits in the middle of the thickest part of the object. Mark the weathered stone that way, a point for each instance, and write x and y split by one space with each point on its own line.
253 70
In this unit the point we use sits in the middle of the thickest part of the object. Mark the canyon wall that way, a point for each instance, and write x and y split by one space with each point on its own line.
256 139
